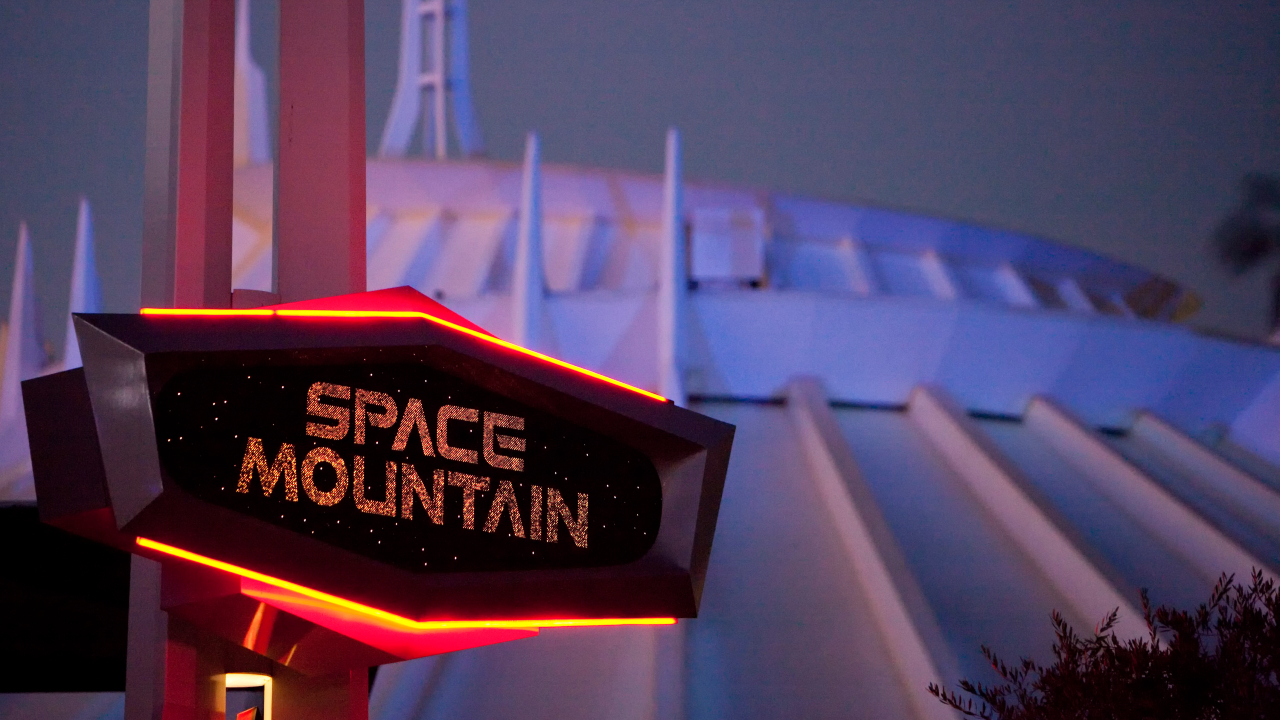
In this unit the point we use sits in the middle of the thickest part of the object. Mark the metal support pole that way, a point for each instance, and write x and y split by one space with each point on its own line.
186 239
186 262
172 671
320 195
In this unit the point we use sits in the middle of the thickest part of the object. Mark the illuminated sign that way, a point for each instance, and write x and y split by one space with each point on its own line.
378 452
377 467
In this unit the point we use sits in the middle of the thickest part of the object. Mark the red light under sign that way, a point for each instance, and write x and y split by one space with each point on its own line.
371 615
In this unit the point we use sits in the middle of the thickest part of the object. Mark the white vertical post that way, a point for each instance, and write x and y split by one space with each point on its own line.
470 141
673 281
86 294
527 286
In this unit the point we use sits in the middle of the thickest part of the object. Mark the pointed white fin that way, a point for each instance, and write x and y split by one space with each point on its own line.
24 357
86 291
24 354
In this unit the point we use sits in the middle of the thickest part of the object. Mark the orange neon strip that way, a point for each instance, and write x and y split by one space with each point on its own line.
405 314
208 312
351 313
388 617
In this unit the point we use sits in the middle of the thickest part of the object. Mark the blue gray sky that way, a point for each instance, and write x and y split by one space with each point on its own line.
1122 126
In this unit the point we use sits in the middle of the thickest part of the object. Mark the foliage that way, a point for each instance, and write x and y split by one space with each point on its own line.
1251 232
1221 660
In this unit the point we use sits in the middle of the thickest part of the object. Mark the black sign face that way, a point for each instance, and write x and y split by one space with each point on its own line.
382 453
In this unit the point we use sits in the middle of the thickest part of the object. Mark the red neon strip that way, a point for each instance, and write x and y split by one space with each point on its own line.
389 617
405 314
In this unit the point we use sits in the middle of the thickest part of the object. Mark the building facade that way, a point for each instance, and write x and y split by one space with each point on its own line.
945 431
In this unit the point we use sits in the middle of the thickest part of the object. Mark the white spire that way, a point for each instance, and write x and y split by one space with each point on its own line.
86 293
24 358
252 137
527 284
406 104
673 276
431 83
24 355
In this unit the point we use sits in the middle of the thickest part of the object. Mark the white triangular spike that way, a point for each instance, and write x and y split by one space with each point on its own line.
252 144
24 356
528 284
86 292
673 276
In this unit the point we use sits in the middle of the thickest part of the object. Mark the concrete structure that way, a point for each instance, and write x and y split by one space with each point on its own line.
944 431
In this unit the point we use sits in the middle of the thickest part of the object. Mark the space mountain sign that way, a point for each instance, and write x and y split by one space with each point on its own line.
397 459
388 457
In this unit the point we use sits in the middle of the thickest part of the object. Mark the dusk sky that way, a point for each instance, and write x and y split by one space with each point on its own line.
1123 127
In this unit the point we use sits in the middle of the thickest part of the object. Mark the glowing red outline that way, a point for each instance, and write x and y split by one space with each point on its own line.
263 312
384 616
